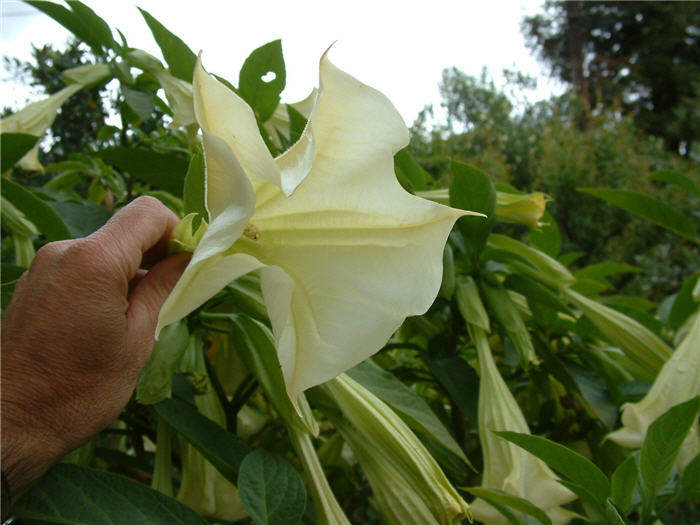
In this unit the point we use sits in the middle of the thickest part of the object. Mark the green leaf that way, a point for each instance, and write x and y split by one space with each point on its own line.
690 479
141 102
679 179
413 171
654 210
447 286
82 218
534 292
271 489
297 123
74 495
409 405
262 78
256 347
539 265
14 146
99 29
36 210
165 171
593 390
194 195
683 305
612 514
565 461
9 274
469 303
595 507
514 502
568 259
221 448
473 190
547 237
156 378
246 297
180 58
623 483
501 306
461 382
107 132
599 271
662 443
79 22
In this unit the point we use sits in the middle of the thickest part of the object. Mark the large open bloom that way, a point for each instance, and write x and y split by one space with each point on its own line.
344 254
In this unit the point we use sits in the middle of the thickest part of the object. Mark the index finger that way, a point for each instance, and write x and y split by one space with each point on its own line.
144 225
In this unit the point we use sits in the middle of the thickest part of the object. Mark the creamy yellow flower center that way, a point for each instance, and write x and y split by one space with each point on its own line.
251 231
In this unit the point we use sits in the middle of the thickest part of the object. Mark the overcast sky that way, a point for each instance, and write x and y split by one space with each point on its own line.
398 47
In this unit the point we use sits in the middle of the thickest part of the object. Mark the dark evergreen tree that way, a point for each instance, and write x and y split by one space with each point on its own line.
642 55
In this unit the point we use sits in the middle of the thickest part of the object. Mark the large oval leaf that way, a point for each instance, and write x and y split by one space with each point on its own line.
271 490
656 211
74 495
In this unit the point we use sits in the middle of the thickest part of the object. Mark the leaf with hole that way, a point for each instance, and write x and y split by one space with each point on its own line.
262 78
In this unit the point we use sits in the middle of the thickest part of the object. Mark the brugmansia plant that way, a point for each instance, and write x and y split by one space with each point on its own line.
350 343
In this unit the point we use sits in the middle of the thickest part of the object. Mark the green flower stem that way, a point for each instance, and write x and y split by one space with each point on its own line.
328 509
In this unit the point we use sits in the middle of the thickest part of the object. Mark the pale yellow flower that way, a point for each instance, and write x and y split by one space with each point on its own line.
678 381
203 488
638 342
179 95
523 208
35 119
508 467
344 254
409 484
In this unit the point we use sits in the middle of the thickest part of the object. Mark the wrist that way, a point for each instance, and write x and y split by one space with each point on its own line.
28 449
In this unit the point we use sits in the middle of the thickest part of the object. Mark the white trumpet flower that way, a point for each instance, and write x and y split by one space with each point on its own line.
344 254
678 381
508 467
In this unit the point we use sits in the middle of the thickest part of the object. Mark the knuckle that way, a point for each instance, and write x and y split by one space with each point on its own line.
52 250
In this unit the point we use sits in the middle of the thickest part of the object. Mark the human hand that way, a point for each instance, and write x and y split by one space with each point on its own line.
79 329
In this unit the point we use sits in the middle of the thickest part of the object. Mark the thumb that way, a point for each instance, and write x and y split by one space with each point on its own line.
145 302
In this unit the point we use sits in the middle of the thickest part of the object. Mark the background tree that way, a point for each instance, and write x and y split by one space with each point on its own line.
77 126
644 54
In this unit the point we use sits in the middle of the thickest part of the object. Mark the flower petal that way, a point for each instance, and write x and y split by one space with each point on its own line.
354 253
179 95
348 120
223 113
200 282
230 201
227 186
345 276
